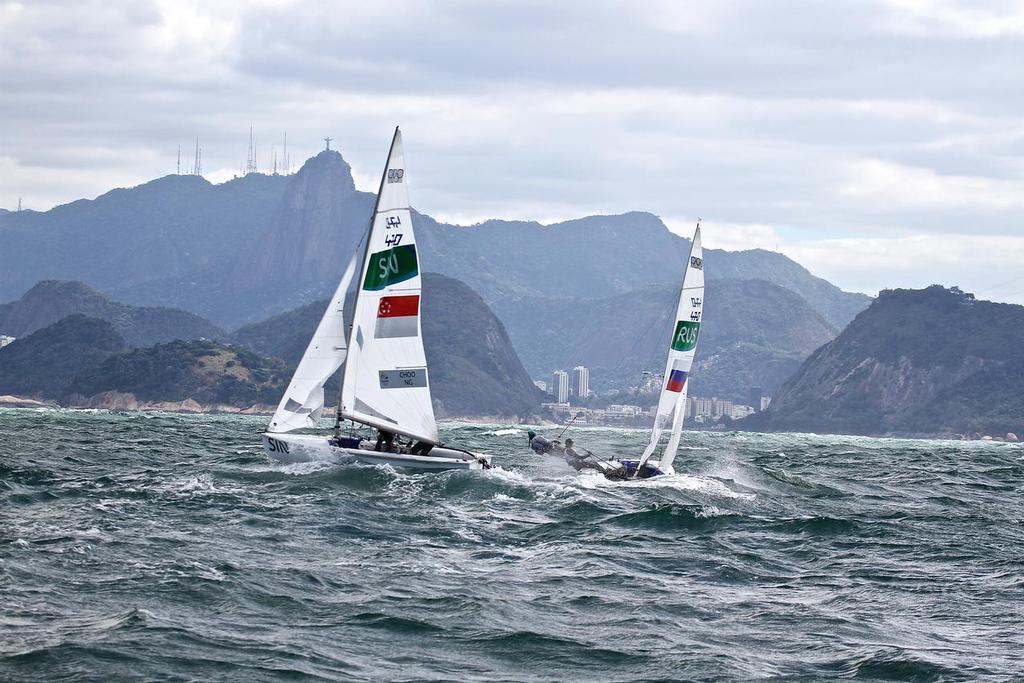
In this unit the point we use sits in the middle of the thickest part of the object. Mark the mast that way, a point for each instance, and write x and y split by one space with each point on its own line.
680 356
362 267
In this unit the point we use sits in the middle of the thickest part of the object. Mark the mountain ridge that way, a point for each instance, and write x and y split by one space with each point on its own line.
261 244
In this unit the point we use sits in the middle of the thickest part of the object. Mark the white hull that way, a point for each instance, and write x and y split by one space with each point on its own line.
314 448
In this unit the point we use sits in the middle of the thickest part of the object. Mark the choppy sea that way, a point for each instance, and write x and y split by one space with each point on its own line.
150 546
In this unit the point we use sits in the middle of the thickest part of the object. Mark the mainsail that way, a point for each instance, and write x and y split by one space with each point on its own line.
385 383
303 401
672 403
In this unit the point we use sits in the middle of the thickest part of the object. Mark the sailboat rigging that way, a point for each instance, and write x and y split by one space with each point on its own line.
385 381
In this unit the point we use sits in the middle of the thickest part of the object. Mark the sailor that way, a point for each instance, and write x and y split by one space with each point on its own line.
580 461
385 441
421 448
540 445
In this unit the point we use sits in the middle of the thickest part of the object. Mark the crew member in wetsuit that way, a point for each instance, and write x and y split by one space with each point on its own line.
421 448
578 461
541 445
385 441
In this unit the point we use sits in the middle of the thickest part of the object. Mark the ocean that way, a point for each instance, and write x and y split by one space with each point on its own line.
154 546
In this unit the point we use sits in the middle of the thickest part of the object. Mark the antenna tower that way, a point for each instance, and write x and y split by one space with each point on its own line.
250 163
178 172
197 164
273 159
287 163
19 203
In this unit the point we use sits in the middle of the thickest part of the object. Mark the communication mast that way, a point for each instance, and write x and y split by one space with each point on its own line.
250 164
178 172
287 161
19 203
197 165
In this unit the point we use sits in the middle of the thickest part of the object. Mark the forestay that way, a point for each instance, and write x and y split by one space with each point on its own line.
672 402
386 383
303 401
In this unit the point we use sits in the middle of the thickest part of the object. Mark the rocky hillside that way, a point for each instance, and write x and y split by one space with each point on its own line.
931 361
52 300
754 334
474 369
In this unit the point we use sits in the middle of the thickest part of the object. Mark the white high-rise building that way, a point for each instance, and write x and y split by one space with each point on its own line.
580 382
560 385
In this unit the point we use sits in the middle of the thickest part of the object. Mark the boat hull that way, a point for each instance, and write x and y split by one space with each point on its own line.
621 470
313 448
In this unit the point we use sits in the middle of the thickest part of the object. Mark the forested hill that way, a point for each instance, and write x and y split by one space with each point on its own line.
83 361
931 361
52 300
474 370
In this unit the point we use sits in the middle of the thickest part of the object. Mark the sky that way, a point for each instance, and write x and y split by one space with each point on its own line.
878 143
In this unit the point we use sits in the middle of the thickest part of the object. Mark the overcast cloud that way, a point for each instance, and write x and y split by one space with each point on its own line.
878 143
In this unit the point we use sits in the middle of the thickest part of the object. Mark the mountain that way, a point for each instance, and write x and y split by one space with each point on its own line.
262 244
931 361
474 369
206 372
42 363
754 334
162 229
51 300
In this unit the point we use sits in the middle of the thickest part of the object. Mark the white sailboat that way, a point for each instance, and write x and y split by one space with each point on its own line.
385 383
672 401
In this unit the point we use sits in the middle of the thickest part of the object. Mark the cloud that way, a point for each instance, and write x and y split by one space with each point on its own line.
987 265
794 122
908 187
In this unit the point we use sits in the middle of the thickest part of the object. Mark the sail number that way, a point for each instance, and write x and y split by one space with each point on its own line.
394 239
685 337
387 265
276 446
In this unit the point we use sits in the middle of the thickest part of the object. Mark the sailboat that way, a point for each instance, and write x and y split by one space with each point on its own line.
385 383
672 401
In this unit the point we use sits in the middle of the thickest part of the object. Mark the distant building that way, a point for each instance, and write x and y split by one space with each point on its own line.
720 408
754 397
5 340
541 384
765 402
560 386
580 382
623 409
702 407
739 412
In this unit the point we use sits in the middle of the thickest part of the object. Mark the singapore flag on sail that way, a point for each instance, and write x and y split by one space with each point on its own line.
398 316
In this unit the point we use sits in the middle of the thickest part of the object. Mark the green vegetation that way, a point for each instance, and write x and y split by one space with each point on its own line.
205 371
43 363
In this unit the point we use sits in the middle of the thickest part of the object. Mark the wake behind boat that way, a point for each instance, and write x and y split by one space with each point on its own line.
385 382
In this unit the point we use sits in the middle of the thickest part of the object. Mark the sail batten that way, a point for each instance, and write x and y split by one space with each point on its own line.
682 347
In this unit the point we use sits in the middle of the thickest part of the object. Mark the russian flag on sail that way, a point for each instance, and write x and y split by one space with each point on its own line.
676 381
397 316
